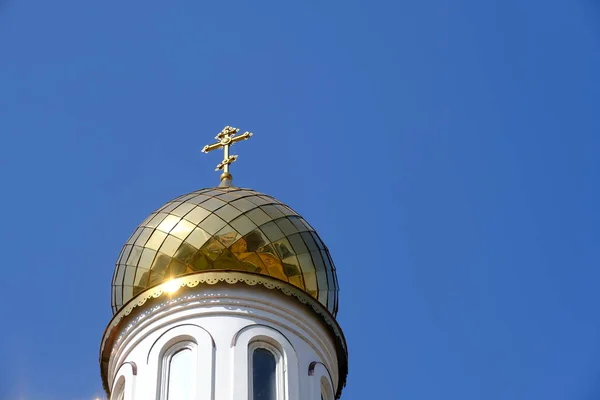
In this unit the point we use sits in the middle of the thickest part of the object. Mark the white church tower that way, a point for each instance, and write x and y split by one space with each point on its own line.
224 294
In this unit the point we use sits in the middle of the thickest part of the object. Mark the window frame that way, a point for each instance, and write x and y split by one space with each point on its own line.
119 391
326 389
165 365
320 383
280 369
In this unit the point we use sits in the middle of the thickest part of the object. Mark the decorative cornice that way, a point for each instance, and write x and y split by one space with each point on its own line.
118 327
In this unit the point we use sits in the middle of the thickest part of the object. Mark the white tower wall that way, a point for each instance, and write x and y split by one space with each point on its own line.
221 324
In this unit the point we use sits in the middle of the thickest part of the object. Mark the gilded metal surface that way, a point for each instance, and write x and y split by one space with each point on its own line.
225 139
225 229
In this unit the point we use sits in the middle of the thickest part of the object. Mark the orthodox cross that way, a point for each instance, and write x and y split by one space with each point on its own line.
225 139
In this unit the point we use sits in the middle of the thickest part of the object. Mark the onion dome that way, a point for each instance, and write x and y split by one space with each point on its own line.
225 229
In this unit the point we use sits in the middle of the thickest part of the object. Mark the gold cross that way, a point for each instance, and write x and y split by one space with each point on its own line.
225 139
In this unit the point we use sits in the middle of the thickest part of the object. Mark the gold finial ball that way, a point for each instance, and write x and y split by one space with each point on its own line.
226 175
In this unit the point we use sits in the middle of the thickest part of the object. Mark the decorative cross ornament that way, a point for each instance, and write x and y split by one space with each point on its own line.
225 139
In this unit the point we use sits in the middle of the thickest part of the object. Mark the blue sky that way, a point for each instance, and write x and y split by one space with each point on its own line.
446 151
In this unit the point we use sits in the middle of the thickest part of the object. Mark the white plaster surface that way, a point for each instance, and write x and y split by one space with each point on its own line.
221 321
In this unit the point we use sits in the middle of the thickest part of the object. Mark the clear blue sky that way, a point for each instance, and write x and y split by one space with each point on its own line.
446 150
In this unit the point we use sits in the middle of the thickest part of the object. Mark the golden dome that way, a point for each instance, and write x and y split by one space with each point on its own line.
225 229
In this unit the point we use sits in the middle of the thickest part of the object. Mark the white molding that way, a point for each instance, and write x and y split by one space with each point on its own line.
174 339
127 373
242 345
224 322
280 368
283 314
320 382
164 367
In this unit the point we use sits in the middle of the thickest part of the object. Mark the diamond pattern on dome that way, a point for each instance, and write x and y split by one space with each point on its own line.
220 229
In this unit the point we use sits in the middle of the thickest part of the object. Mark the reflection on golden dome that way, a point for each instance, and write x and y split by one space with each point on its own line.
225 229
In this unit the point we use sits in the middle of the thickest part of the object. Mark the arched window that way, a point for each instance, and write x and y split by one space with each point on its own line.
320 382
119 392
169 365
266 372
326 391
179 372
